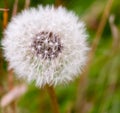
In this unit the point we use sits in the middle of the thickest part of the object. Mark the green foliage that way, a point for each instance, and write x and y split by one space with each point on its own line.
103 89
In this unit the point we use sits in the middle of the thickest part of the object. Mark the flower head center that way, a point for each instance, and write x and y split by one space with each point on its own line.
46 45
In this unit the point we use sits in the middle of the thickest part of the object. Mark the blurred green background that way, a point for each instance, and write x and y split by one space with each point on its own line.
99 90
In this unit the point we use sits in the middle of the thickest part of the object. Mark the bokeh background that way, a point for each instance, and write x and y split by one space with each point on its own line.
97 90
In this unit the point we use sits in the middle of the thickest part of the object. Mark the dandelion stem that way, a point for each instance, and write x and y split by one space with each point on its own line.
53 98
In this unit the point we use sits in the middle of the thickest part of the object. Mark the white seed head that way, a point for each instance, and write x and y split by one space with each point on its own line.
51 44
46 51
46 45
46 41
56 44
38 46
38 37
32 49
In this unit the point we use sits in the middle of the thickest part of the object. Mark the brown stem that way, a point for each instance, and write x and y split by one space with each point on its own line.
5 14
53 98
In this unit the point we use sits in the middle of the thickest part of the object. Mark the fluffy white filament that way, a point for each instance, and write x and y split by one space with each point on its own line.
19 35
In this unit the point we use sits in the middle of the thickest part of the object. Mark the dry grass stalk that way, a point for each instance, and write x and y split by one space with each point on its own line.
115 32
15 8
10 72
12 95
59 3
5 18
81 107
4 9
27 4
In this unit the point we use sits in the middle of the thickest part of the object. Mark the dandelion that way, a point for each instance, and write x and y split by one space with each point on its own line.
46 45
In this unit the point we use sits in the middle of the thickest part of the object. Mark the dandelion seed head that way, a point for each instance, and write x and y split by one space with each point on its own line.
46 45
